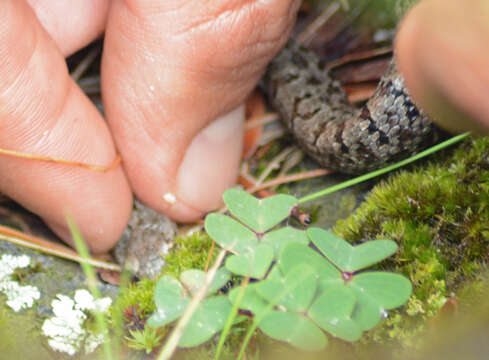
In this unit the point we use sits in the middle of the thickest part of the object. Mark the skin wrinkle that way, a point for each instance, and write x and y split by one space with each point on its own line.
220 12
34 111
252 34
19 67
151 113
148 10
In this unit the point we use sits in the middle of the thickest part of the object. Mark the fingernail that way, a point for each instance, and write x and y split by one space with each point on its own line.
211 162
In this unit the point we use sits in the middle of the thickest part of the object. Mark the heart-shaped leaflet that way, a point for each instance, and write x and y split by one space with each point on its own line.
347 257
170 300
259 214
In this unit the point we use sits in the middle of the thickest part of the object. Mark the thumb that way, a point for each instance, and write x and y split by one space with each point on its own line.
174 77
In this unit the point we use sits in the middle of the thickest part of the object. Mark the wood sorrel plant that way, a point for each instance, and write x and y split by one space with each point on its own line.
295 294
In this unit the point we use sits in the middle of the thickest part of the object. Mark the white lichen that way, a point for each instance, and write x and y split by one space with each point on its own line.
18 297
66 329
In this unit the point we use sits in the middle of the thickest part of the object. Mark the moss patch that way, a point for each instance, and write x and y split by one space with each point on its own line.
438 214
189 252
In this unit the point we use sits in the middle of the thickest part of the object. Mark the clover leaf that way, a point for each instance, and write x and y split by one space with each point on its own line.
296 293
171 298
347 257
230 234
295 329
259 214
254 263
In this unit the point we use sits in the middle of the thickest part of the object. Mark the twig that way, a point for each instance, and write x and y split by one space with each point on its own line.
274 164
42 158
269 136
358 56
290 178
177 332
293 160
261 120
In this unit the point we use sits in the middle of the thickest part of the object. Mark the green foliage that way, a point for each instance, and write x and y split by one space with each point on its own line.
347 257
438 215
259 215
172 297
146 339
296 293
189 252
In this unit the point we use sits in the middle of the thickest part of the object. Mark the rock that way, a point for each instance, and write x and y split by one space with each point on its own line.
145 242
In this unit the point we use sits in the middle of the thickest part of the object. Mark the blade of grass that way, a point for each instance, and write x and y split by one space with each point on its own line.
384 170
172 343
231 317
100 318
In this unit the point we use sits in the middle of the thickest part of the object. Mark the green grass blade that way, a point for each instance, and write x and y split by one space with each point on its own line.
231 317
100 319
386 169
172 342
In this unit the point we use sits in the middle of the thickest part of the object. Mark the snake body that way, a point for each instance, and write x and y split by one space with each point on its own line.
336 134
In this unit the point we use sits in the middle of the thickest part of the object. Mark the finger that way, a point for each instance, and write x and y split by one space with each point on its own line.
443 54
175 110
43 112
72 24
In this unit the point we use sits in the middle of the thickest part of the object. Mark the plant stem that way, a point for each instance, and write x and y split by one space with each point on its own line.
177 332
231 317
384 170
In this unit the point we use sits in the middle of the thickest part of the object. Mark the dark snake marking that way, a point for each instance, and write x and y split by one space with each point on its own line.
337 135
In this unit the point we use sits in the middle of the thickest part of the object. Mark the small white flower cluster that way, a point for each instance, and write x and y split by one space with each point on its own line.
18 297
65 329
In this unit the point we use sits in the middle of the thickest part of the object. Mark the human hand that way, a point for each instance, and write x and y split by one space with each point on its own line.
174 76
442 50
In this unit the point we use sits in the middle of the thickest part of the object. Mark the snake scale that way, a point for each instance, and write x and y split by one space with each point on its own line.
336 134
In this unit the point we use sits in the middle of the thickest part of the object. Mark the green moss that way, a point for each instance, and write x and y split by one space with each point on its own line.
189 252
438 214
139 294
